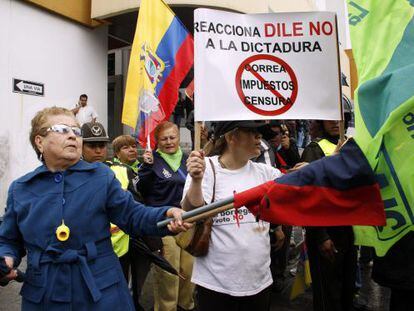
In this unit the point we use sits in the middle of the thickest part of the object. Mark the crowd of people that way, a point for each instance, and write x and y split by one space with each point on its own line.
81 217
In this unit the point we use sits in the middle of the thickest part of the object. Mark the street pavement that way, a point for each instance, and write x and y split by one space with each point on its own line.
378 299
376 296
10 299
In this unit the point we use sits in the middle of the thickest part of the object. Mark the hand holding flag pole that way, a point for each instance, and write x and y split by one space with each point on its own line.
339 190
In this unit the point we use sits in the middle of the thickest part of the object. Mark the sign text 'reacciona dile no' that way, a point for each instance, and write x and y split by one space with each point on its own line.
251 67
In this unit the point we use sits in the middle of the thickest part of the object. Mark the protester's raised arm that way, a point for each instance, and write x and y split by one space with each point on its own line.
196 166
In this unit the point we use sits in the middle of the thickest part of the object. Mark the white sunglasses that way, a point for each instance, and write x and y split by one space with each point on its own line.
65 129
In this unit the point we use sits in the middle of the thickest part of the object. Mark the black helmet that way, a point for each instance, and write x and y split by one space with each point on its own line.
94 132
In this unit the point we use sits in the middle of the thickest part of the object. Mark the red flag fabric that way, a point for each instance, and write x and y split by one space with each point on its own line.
251 198
339 190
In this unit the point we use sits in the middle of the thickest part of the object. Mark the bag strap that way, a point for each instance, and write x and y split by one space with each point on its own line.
181 173
213 198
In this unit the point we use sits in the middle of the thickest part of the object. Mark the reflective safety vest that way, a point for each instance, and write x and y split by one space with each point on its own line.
134 166
327 147
119 239
121 173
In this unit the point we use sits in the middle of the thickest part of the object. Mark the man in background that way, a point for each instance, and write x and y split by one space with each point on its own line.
83 112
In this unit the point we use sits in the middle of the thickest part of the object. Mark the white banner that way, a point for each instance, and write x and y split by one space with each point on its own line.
265 66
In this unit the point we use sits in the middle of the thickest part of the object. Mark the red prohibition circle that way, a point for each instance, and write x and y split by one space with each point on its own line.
277 60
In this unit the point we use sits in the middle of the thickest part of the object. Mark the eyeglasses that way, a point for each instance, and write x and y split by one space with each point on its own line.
65 129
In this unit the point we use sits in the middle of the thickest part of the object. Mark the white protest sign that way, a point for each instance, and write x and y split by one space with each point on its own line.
265 66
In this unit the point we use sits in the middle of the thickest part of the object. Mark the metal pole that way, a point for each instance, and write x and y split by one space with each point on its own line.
198 211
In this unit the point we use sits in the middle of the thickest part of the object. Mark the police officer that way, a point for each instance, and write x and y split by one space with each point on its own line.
331 250
95 142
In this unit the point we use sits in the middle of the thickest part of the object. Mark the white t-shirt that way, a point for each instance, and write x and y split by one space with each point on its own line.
86 114
238 259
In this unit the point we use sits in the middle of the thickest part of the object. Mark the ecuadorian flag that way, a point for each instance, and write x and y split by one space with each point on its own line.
162 54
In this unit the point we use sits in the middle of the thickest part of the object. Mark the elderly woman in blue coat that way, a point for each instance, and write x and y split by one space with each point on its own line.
60 215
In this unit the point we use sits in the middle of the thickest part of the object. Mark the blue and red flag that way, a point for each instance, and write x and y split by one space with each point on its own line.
162 54
338 190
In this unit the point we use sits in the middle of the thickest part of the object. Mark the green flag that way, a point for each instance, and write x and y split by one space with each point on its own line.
382 36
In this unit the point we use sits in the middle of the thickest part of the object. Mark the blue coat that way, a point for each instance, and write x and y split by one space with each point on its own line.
82 273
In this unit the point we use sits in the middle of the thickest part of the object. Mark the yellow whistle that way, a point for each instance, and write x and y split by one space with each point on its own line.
62 232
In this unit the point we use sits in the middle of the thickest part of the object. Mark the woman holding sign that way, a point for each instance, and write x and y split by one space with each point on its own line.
235 273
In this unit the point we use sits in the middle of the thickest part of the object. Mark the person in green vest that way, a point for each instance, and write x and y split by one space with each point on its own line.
126 152
94 149
126 156
331 250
